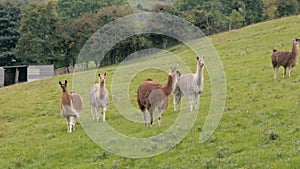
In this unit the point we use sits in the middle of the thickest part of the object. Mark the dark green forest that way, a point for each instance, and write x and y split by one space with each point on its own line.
54 31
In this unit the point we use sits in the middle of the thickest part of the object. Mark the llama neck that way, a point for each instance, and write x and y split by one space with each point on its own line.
65 98
101 87
199 77
169 86
295 52
295 49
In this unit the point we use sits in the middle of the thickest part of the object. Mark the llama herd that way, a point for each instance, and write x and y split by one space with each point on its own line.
150 95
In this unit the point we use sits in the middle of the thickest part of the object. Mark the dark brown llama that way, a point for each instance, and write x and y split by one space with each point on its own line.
71 106
151 94
285 58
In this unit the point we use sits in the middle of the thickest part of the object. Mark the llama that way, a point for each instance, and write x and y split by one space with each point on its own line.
99 98
285 58
191 85
151 94
71 106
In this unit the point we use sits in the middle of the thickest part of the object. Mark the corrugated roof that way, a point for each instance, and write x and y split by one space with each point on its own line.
21 66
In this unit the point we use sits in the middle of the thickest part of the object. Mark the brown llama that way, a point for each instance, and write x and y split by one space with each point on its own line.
71 106
285 58
99 98
151 94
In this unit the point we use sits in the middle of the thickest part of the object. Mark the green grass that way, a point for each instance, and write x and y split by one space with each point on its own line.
259 127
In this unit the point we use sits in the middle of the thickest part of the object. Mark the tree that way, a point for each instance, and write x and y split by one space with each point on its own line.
186 5
165 8
236 19
270 9
217 13
253 11
72 9
38 39
73 36
76 32
9 21
287 7
213 21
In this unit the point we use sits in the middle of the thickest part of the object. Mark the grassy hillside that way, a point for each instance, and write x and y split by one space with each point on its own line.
259 127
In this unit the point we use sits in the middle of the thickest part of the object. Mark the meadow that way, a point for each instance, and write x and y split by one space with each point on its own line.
259 126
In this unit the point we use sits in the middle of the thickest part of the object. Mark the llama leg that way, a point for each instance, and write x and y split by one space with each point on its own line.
69 124
97 114
191 102
160 111
275 72
72 123
175 104
151 110
67 121
196 100
104 110
177 99
92 112
290 70
145 117
73 118
284 72
151 119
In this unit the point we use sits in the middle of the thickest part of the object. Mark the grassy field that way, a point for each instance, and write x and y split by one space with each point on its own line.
259 127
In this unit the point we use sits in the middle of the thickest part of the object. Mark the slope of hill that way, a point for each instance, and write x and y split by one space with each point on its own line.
259 127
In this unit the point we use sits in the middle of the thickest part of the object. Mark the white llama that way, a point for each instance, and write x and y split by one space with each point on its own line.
190 85
99 98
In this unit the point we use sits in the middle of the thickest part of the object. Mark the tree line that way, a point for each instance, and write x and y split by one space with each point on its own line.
53 32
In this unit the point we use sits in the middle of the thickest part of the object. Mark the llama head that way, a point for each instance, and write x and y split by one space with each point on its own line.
297 40
174 72
63 86
200 61
102 78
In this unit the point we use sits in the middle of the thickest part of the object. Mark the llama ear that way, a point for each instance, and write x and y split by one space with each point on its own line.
60 82
99 74
66 82
105 74
203 57
197 58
